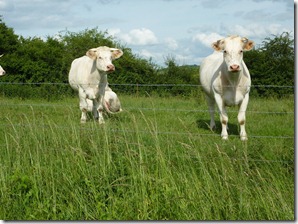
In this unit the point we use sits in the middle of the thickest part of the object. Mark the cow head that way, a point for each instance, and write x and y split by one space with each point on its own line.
104 57
232 48
2 71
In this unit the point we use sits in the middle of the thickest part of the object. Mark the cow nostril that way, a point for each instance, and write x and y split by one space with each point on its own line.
110 67
234 67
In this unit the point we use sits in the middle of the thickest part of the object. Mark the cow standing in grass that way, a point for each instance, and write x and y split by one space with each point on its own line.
88 75
226 80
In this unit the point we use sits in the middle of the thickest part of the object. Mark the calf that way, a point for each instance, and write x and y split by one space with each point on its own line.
226 81
111 101
88 75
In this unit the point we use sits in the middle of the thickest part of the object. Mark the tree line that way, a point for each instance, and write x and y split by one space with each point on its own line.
36 62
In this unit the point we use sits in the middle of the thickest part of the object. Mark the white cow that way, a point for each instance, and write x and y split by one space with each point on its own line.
88 75
226 80
2 71
111 101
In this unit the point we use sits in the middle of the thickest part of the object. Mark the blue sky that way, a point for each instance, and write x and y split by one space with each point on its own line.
183 29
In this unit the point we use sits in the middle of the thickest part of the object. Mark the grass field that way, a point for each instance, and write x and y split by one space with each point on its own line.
157 160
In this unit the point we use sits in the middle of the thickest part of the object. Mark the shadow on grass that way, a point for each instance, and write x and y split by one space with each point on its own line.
204 124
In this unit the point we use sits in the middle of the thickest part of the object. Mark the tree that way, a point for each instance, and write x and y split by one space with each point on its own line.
8 40
273 64
9 44
35 61
76 44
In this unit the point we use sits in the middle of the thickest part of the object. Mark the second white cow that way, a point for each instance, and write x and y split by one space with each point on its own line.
88 75
111 101
226 80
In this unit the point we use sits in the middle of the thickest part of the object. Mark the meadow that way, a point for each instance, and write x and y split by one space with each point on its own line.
157 160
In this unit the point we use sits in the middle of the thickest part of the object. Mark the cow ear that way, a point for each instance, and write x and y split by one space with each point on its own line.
116 53
249 45
218 45
1 55
91 53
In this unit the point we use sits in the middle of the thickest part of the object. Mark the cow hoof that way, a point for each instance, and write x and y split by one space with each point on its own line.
101 121
83 121
243 138
224 137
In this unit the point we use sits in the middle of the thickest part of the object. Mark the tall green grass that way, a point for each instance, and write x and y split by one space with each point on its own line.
157 160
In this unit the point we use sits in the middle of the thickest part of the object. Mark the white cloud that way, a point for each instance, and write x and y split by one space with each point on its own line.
207 39
154 37
141 36
171 43
114 31
145 53
256 30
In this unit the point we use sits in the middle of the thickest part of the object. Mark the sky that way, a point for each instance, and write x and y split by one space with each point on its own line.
156 29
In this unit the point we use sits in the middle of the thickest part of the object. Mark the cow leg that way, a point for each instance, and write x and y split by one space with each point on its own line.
211 104
223 116
241 117
98 110
83 105
224 124
94 109
100 102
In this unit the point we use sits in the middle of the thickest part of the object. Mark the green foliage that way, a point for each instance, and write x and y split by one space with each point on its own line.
273 64
77 44
48 61
174 74
36 60
9 41
132 69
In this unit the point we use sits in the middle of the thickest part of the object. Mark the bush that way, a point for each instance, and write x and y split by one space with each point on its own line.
272 64
36 61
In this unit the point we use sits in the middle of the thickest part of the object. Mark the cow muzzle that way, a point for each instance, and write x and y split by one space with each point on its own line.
110 68
2 72
234 68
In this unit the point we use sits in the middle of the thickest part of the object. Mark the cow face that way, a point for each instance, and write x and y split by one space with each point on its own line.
2 72
232 48
103 56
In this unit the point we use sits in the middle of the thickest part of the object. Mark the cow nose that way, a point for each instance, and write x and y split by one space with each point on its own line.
111 68
234 67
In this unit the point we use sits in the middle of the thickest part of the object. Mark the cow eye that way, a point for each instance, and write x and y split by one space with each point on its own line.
225 51
99 58
241 51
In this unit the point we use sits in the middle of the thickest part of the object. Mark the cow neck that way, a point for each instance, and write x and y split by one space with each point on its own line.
103 78
233 78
